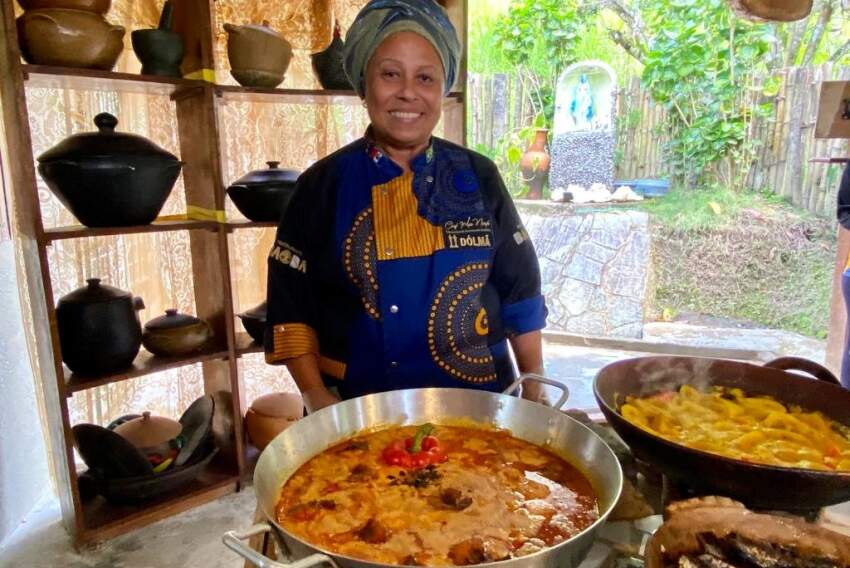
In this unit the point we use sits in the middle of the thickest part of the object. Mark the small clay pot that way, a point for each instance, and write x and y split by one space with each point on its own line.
159 50
175 334
154 436
259 56
270 415
69 38
93 6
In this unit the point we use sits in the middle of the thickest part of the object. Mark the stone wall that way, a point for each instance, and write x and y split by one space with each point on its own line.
594 262
582 158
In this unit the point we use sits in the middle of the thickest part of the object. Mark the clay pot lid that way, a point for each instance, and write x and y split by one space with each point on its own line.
94 293
148 431
274 174
279 405
263 28
172 320
256 313
105 143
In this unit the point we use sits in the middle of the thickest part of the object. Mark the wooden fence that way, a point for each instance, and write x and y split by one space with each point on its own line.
785 143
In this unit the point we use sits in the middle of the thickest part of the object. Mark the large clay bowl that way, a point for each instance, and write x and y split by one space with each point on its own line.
93 6
69 38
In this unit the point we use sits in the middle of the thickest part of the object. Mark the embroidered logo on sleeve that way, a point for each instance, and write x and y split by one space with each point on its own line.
521 235
473 231
289 256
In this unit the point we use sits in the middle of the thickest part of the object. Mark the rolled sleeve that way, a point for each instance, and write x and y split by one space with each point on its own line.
524 316
291 316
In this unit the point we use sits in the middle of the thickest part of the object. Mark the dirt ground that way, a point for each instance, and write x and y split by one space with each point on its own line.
771 268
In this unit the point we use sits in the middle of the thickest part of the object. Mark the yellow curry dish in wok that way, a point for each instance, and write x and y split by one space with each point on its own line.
436 496
757 429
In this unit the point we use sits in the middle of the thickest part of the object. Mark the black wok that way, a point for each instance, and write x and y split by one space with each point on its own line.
758 486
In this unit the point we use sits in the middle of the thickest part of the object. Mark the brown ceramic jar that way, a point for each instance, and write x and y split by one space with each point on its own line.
94 6
270 415
534 165
69 38
259 56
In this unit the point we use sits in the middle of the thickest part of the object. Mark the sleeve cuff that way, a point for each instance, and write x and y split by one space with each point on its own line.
290 340
525 316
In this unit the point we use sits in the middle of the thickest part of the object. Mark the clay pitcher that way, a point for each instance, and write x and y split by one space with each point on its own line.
259 56
534 165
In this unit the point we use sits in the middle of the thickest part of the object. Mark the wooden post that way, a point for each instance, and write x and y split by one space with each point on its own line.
17 155
200 148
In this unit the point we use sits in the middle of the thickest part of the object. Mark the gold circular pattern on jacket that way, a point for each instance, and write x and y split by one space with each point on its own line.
360 245
457 326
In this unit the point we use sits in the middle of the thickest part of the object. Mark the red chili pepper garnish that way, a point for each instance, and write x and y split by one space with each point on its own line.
417 452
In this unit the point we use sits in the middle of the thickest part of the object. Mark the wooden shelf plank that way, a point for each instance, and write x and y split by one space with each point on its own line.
145 364
296 96
44 76
79 231
104 521
246 224
246 344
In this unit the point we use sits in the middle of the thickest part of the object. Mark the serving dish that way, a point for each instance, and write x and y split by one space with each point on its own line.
540 425
758 486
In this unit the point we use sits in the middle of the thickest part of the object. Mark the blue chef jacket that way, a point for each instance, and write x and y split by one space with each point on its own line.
402 280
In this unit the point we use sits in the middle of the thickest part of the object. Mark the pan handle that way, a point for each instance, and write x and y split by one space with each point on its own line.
816 370
233 541
541 379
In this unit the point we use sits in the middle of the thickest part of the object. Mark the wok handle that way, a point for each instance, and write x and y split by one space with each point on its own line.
233 541
816 370
541 379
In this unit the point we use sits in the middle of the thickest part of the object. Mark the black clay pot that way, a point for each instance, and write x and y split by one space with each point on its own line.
159 50
108 178
263 195
254 322
99 329
328 66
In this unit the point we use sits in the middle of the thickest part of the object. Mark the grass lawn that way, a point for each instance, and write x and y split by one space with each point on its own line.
742 256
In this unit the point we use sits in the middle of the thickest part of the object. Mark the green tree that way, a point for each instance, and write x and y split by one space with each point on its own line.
540 37
700 64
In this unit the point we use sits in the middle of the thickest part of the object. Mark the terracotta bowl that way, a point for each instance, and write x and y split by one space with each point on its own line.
94 6
69 38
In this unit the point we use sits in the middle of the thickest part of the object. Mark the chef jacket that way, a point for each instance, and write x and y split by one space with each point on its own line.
402 280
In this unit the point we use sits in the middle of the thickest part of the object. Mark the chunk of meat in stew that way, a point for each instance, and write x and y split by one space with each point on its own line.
455 498
373 532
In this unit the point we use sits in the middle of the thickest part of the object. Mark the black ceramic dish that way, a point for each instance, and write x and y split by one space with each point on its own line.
107 454
254 322
758 486
99 329
107 178
197 423
262 195
328 65
134 490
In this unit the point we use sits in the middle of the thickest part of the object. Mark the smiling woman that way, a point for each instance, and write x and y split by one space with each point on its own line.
408 264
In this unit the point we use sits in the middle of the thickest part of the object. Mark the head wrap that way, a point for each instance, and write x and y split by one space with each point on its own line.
381 18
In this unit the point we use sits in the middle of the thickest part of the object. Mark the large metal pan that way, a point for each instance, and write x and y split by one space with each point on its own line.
526 420
759 486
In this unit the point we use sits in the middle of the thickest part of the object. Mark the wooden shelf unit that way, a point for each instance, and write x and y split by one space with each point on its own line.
79 231
196 104
144 364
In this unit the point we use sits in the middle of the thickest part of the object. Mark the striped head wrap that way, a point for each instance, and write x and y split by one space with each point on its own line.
379 19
